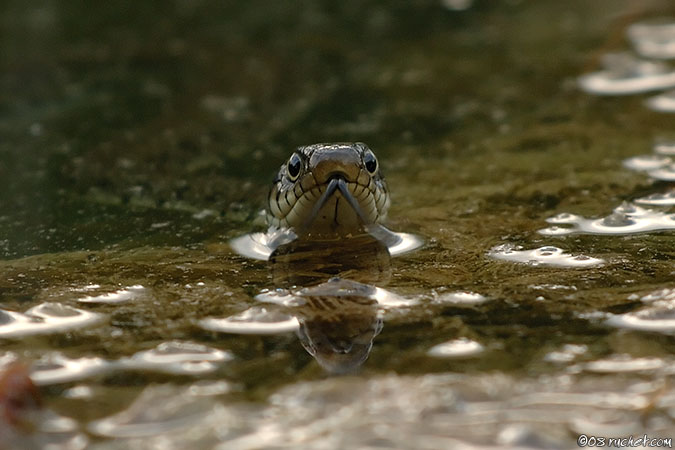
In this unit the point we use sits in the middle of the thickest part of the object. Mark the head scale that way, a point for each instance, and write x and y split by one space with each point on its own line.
328 189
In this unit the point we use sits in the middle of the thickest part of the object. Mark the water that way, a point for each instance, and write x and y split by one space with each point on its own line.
138 140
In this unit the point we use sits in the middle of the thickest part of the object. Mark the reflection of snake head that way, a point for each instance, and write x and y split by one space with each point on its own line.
340 338
338 321
328 189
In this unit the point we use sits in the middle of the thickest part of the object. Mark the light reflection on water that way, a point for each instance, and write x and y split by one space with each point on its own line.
476 164
176 358
546 256
431 411
45 318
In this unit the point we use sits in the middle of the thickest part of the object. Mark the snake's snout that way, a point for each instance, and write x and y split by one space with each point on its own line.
338 162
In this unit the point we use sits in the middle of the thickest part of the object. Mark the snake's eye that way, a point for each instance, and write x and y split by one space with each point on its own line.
370 161
293 167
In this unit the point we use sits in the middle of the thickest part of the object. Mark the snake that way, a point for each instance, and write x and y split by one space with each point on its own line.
326 193
324 211
328 189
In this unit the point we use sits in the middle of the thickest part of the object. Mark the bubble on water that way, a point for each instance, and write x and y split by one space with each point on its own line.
79 392
548 255
664 147
255 320
624 363
624 74
120 296
45 318
658 317
179 358
663 102
658 199
174 357
665 294
646 162
457 348
460 298
665 173
54 368
653 39
626 219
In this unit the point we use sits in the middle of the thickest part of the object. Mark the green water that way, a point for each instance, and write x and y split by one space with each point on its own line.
137 138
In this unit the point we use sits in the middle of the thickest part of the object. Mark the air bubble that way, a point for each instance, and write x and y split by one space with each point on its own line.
626 219
624 74
458 348
663 102
548 255
646 162
666 173
655 39
658 199
44 319
255 320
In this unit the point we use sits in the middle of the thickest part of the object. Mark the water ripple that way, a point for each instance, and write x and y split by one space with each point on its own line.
625 219
548 255
653 39
45 318
457 348
255 320
625 74
120 296
173 357
663 102
658 315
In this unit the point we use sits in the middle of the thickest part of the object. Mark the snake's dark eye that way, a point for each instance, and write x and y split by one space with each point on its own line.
370 162
294 165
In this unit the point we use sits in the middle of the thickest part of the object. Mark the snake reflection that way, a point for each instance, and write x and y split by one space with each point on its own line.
324 212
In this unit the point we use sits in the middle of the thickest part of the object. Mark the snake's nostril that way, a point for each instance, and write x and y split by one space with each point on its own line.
335 162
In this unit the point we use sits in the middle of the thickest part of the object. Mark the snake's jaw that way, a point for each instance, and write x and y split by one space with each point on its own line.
336 184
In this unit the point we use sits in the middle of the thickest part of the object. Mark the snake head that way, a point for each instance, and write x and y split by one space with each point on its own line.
327 190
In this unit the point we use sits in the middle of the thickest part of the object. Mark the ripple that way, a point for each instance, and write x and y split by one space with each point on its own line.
255 320
337 288
120 296
261 245
624 74
460 298
659 317
548 255
457 348
665 147
626 219
653 39
173 357
658 199
178 358
45 318
665 294
647 162
666 173
55 368
624 364
663 102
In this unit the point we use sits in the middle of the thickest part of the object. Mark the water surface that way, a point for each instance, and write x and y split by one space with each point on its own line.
138 138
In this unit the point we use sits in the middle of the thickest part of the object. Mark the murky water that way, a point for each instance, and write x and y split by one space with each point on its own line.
138 139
